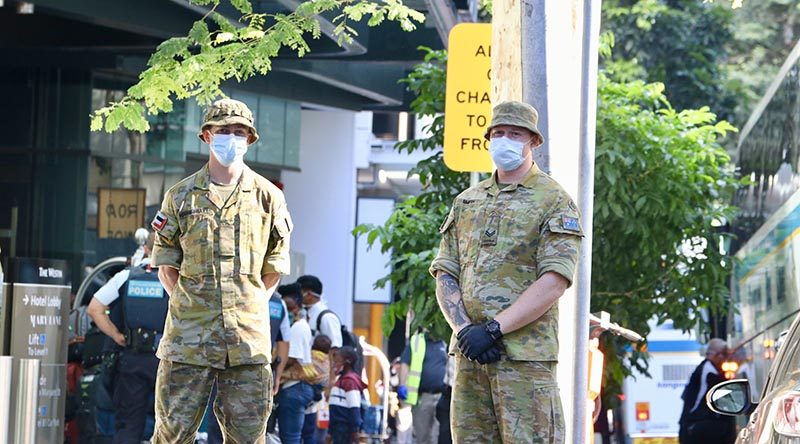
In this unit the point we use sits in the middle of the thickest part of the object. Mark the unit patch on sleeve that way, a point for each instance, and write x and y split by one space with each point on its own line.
159 222
570 223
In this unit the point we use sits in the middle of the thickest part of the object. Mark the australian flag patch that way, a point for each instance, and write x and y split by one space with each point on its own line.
570 223
159 222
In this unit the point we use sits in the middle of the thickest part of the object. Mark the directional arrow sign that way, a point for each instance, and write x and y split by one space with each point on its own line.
25 299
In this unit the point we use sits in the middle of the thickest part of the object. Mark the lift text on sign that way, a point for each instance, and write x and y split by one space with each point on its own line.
468 108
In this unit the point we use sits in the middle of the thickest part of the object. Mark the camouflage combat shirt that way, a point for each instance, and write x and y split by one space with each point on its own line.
498 241
219 308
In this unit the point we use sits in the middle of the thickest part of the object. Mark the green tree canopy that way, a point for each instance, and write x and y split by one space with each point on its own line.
663 183
216 49
717 53
680 43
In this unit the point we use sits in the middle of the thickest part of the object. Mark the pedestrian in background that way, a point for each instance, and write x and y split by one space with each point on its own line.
443 406
329 325
222 244
296 393
312 433
423 365
698 424
508 252
345 403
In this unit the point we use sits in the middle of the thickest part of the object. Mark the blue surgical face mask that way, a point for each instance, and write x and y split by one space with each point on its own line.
506 153
228 148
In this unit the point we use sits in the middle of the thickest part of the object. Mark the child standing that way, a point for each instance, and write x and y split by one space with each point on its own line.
345 402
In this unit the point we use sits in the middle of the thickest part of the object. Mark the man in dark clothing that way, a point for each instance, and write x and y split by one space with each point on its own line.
698 424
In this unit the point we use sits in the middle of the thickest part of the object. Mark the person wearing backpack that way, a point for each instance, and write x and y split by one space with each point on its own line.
320 318
326 322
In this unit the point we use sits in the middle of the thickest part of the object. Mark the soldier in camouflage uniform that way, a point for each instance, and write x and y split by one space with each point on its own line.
508 252
223 242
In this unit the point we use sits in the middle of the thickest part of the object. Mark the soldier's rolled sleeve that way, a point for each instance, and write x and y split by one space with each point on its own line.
167 248
447 258
276 260
560 242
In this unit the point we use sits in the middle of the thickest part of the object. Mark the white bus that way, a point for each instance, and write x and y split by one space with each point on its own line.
652 405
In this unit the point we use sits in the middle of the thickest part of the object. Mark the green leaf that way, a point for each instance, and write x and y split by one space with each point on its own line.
199 33
242 6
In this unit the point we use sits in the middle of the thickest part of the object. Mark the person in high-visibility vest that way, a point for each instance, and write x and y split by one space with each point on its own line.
422 370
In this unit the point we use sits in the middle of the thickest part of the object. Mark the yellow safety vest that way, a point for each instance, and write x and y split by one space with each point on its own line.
415 371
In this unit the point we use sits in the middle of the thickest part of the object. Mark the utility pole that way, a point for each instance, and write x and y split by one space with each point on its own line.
545 53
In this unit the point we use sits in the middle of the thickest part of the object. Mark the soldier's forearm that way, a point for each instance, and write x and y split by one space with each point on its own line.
168 277
271 281
448 295
532 303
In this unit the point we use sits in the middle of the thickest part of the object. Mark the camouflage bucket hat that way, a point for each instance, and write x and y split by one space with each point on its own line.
515 114
228 112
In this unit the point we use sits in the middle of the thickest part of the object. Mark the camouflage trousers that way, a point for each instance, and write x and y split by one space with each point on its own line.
509 402
244 400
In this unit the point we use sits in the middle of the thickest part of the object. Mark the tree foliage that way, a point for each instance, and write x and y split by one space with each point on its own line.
662 184
717 53
764 33
216 49
680 43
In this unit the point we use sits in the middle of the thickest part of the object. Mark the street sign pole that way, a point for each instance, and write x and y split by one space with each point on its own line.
591 36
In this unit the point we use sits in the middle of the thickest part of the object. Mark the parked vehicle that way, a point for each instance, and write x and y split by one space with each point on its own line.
775 418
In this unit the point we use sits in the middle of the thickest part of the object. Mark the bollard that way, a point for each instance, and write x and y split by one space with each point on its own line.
6 367
26 401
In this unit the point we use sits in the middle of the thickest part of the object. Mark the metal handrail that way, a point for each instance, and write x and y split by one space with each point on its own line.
371 350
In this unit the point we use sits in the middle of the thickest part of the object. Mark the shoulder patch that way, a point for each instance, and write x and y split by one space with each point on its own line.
159 221
570 224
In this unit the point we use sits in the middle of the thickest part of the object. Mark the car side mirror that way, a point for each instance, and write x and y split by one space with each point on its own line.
730 397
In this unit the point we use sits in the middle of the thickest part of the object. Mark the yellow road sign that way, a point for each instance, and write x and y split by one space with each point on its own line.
468 108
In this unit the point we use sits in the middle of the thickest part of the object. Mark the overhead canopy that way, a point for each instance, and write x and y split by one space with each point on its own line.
115 38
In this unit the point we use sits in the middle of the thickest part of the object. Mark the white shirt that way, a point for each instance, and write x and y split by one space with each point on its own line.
300 341
330 325
109 292
299 345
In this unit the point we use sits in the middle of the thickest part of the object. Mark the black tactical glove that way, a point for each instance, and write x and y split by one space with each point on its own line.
474 340
489 356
